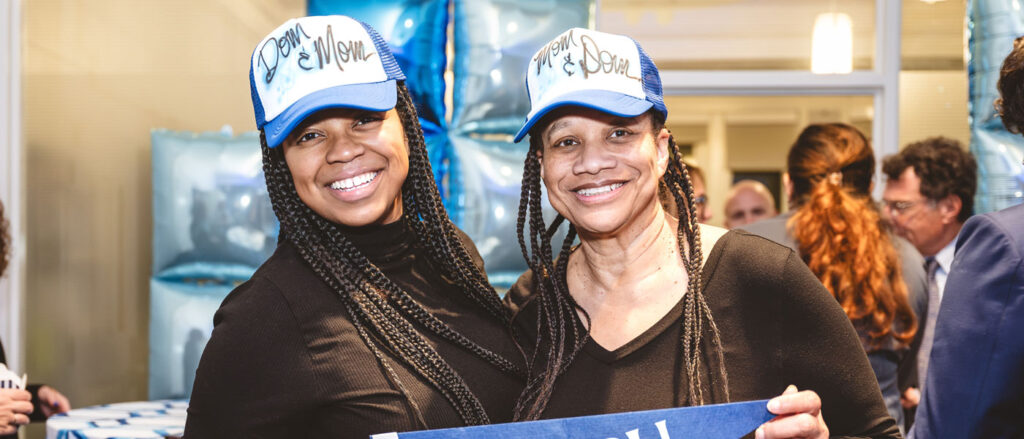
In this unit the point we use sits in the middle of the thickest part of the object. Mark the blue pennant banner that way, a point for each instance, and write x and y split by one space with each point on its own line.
720 421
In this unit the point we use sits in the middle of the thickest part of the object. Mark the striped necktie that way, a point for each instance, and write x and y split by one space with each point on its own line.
930 266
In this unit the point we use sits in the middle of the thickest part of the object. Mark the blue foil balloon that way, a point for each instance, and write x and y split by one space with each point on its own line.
180 323
212 218
490 174
992 25
494 41
416 31
437 152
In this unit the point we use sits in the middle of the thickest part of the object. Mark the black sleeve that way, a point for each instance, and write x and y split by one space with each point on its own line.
908 363
520 293
821 352
37 406
254 376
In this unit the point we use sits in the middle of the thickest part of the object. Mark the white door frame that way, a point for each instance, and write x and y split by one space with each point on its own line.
882 82
12 286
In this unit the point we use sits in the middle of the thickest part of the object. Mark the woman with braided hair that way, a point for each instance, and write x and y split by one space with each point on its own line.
650 311
836 228
374 314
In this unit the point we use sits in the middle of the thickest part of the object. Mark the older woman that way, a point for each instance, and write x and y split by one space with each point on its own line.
373 315
637 316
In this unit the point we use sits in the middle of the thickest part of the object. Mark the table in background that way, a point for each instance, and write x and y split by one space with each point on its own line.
144 419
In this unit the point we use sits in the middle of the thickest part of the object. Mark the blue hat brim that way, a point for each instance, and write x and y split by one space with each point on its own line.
602 100
376 96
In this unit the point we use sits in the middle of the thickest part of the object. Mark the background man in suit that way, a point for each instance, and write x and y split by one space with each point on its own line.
975 384
928 196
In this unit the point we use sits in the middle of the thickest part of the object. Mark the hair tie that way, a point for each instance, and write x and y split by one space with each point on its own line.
835 178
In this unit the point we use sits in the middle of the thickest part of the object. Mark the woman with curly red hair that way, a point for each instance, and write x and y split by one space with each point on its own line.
836 228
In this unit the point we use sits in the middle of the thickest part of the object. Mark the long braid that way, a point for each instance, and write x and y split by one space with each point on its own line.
695 307
559 333
427 214
388 370
556 307
382 312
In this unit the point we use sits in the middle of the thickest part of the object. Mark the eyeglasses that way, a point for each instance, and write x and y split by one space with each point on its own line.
900 208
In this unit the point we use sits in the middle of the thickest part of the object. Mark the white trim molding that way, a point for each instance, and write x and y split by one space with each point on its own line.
886 136
12 285
768 82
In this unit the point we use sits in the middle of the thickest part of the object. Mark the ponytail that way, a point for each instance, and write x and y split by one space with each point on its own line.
841 236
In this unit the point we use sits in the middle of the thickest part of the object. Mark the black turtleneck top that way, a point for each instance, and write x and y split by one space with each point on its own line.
284 359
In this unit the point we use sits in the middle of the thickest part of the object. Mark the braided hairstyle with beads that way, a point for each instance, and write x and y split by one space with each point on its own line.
561 336
382 313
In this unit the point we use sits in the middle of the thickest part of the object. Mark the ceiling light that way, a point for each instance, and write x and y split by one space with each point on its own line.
832 44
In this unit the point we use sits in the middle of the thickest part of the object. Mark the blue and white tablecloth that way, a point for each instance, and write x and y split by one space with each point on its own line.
144 419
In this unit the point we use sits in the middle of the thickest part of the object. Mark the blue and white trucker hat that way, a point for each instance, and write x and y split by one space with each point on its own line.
312 63
606 72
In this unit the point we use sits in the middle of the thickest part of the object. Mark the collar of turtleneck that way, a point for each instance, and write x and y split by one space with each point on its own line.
384 243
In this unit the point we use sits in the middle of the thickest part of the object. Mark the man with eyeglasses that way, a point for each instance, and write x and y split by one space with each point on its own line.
928 196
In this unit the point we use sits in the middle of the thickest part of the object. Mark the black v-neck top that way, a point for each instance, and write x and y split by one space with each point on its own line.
609 357
285 360
778 324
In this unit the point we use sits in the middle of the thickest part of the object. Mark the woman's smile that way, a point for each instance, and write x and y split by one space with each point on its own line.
356 188
598 192
357 182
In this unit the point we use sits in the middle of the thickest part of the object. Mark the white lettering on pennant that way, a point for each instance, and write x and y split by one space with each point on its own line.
660 425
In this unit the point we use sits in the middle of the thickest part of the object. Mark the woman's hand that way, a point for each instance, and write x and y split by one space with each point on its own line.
15 406
798 416
52 402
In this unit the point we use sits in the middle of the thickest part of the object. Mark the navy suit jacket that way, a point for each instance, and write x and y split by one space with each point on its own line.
975 383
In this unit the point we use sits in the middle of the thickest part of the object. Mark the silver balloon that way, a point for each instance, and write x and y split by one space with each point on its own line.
180 324
494 41
992 26
489 174
212 217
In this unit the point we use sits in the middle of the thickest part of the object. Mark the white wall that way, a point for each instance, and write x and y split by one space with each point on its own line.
11 285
